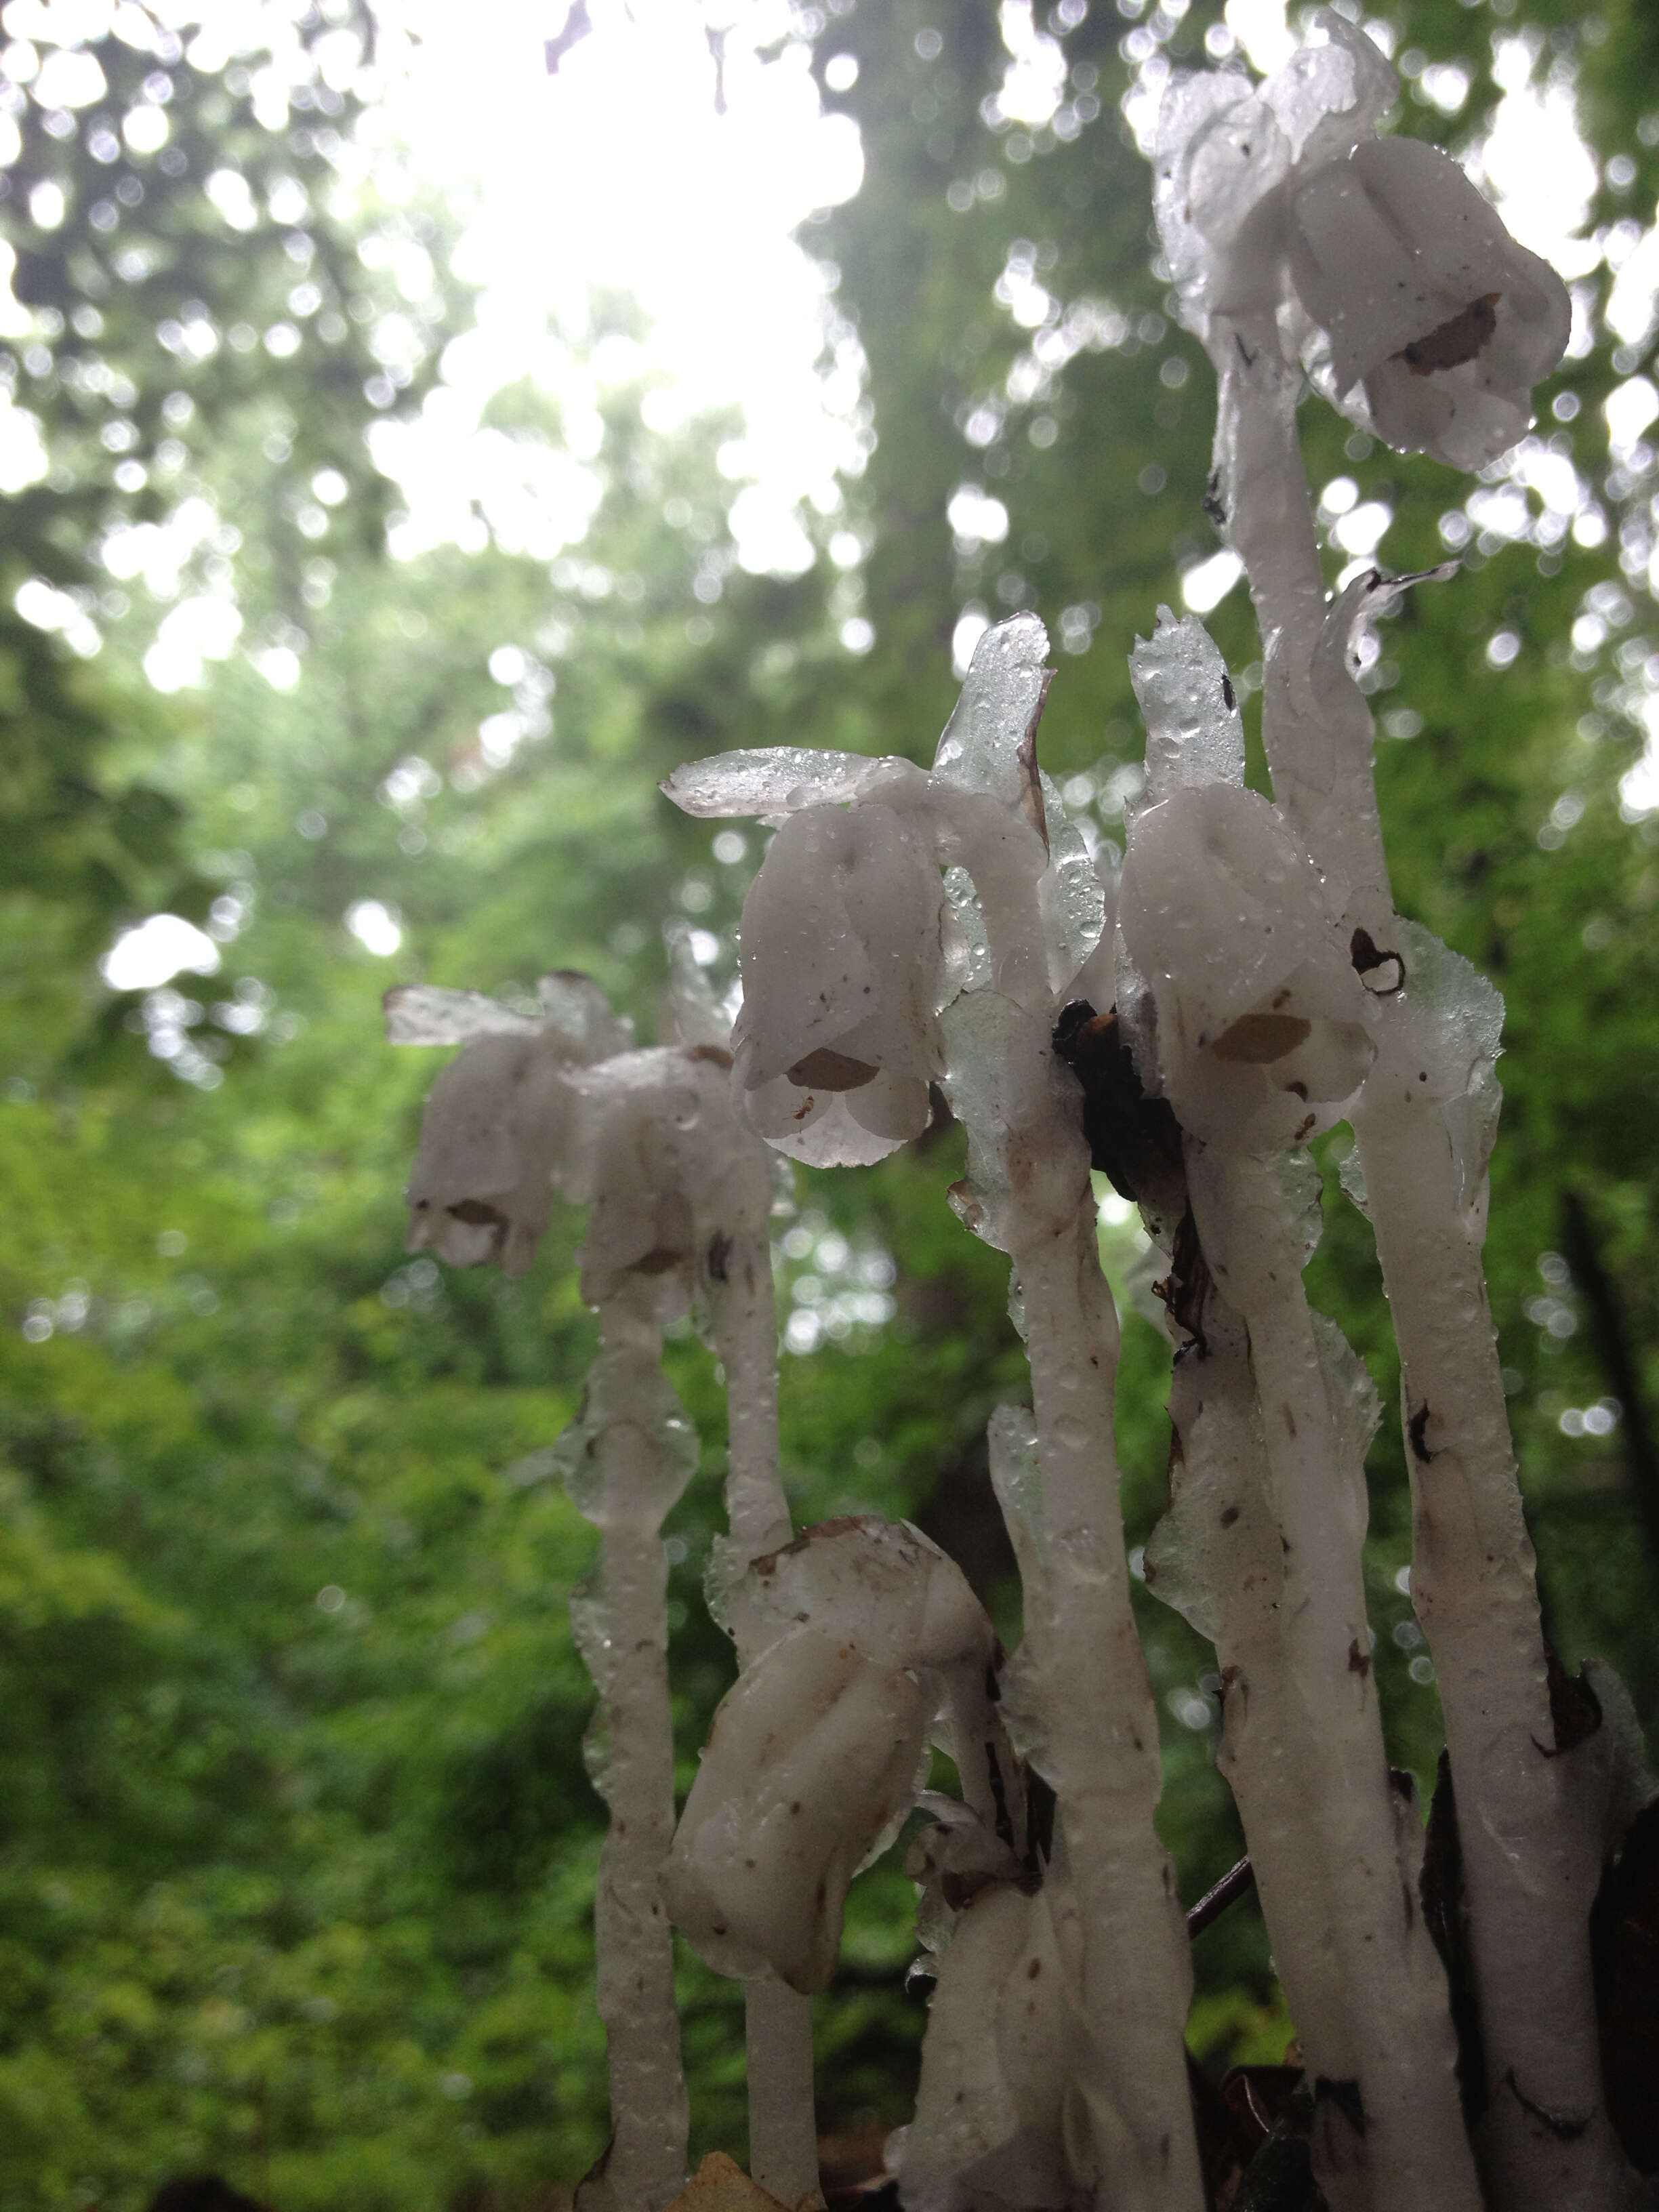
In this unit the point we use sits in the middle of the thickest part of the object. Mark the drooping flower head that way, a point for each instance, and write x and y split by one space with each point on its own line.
672 1180
1437 324
1381 265
843 964
1261 1019
987 2134
496 1130
817 1753
884 893
1226 151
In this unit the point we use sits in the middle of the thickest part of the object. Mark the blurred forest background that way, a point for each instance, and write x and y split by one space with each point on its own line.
296 1843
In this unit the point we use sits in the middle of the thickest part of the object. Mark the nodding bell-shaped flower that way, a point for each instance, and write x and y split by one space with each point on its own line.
496 1127
1263 1023
818 1750
1439 325
843 970
987 2134
1261 1020
1411 306
672 1177
812 1760
852 943
1226 155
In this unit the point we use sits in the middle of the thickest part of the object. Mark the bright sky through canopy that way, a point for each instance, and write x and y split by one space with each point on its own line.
619 174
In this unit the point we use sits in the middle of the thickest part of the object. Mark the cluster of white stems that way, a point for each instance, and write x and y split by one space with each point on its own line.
1184 1017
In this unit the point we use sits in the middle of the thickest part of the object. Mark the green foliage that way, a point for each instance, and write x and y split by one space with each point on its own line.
297 1845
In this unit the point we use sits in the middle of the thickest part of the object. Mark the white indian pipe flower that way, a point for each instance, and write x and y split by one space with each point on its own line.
1263 1023
813 1756
817 1753
882 1585
851 948
987 2134
1224 155
1261 1020
1439 325
1409 303
672 1179
843 970
496 1130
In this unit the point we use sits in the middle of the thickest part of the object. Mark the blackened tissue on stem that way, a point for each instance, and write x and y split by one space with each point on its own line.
1345 2095
1418 1430
1133 1140
1185 1288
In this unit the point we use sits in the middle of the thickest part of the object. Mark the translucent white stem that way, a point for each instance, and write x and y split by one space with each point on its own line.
1028 1195
1531 1847
783 2154
745 1331
1226 1567
632 1937
1261 482
1529 1872
778 2020
1322 779
1101 1726
1415 2151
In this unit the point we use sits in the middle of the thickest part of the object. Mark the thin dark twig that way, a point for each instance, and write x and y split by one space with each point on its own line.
1214 1902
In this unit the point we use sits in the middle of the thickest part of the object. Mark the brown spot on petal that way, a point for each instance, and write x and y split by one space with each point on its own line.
657 1261
829 1070
1258 1040
477 1212
1456 340
716 1054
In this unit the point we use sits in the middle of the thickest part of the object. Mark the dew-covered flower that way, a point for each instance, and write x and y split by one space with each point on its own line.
1439 325
843 971
672 1180
988 2132
1376 260
813 1759
1227 153
817 1753
888 889
496 1127
1263 1023
1261 1020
